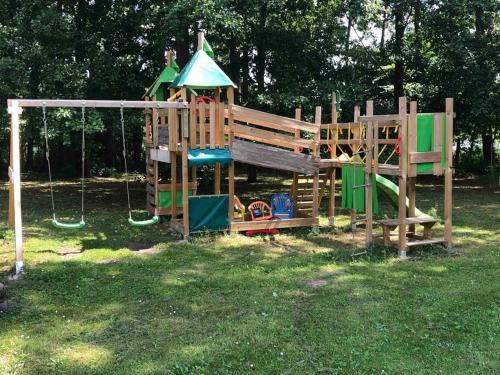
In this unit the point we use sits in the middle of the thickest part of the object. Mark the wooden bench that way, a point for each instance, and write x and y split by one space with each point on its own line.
425 239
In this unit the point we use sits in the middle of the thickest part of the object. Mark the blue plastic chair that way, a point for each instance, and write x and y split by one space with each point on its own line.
282 206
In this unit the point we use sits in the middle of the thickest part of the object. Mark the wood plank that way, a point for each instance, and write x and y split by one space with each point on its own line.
275 158
437 168
192 123
379 118
448 177
65 103
402 177
270 137
369 175
238 226
202 121
212 124
270 120
424 157
425 242
412 137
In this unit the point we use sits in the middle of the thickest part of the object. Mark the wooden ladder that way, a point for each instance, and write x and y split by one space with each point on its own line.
302 192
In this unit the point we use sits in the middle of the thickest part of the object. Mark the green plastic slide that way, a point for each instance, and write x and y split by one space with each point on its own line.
392 191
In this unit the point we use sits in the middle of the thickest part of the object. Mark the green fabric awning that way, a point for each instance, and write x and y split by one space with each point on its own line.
209 156
167 76
201 72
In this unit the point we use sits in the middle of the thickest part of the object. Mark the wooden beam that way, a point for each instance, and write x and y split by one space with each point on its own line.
15 113
437 167
448 176
369 176
402 177
412 137
185 176
238 226
230 182
424 157
63 103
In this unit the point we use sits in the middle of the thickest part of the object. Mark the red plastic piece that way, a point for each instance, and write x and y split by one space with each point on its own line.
250 233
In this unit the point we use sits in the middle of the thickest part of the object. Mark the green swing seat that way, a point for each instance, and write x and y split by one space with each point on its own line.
58 224
144 223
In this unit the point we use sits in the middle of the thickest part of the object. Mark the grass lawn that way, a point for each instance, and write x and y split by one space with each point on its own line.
296 303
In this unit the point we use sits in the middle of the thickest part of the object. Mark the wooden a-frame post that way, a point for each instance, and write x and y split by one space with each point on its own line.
15 182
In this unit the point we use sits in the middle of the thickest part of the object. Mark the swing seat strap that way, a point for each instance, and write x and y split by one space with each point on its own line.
58 224
154 220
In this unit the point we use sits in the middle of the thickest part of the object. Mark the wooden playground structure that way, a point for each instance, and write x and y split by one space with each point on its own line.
185 130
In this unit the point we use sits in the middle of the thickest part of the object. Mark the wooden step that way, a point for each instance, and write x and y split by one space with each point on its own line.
409 220
425 242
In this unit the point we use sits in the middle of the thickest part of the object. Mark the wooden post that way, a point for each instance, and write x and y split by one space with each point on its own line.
402 177
155 112
15 171
412 168
295 179
357 113
369 175
173 183
185 176
230 180
11 188
315 208
448 176
218 140
201 38
332 171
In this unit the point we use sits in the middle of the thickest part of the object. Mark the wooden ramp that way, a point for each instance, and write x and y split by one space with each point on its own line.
274 157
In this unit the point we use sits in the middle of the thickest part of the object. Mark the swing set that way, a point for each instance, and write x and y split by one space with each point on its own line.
15 108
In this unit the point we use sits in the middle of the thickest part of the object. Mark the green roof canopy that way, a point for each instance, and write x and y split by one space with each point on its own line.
167 76
201 72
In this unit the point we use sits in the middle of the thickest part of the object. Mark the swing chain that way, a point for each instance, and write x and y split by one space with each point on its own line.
122 122
47 156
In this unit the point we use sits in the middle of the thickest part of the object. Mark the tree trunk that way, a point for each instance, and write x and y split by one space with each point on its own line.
458 151
382 33
234 68
245 75
488 152
182 46
399 69
260 60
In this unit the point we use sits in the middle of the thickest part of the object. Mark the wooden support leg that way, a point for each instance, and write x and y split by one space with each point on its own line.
331 201
448 176
15 112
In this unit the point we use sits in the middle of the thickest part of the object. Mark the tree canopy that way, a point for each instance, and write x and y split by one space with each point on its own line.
281 54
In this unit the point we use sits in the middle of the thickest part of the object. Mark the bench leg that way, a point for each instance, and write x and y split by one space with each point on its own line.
427 232
386 235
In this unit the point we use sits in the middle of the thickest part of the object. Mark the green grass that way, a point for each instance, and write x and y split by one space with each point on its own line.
293 304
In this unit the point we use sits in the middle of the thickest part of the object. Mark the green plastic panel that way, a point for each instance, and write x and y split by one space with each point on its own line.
208 213
165 198
354 175
425 139
209 156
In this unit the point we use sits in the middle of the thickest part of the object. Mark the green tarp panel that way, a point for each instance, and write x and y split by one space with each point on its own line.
209 156
167 76
201 72
425 139
165 198
208 212
354 175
